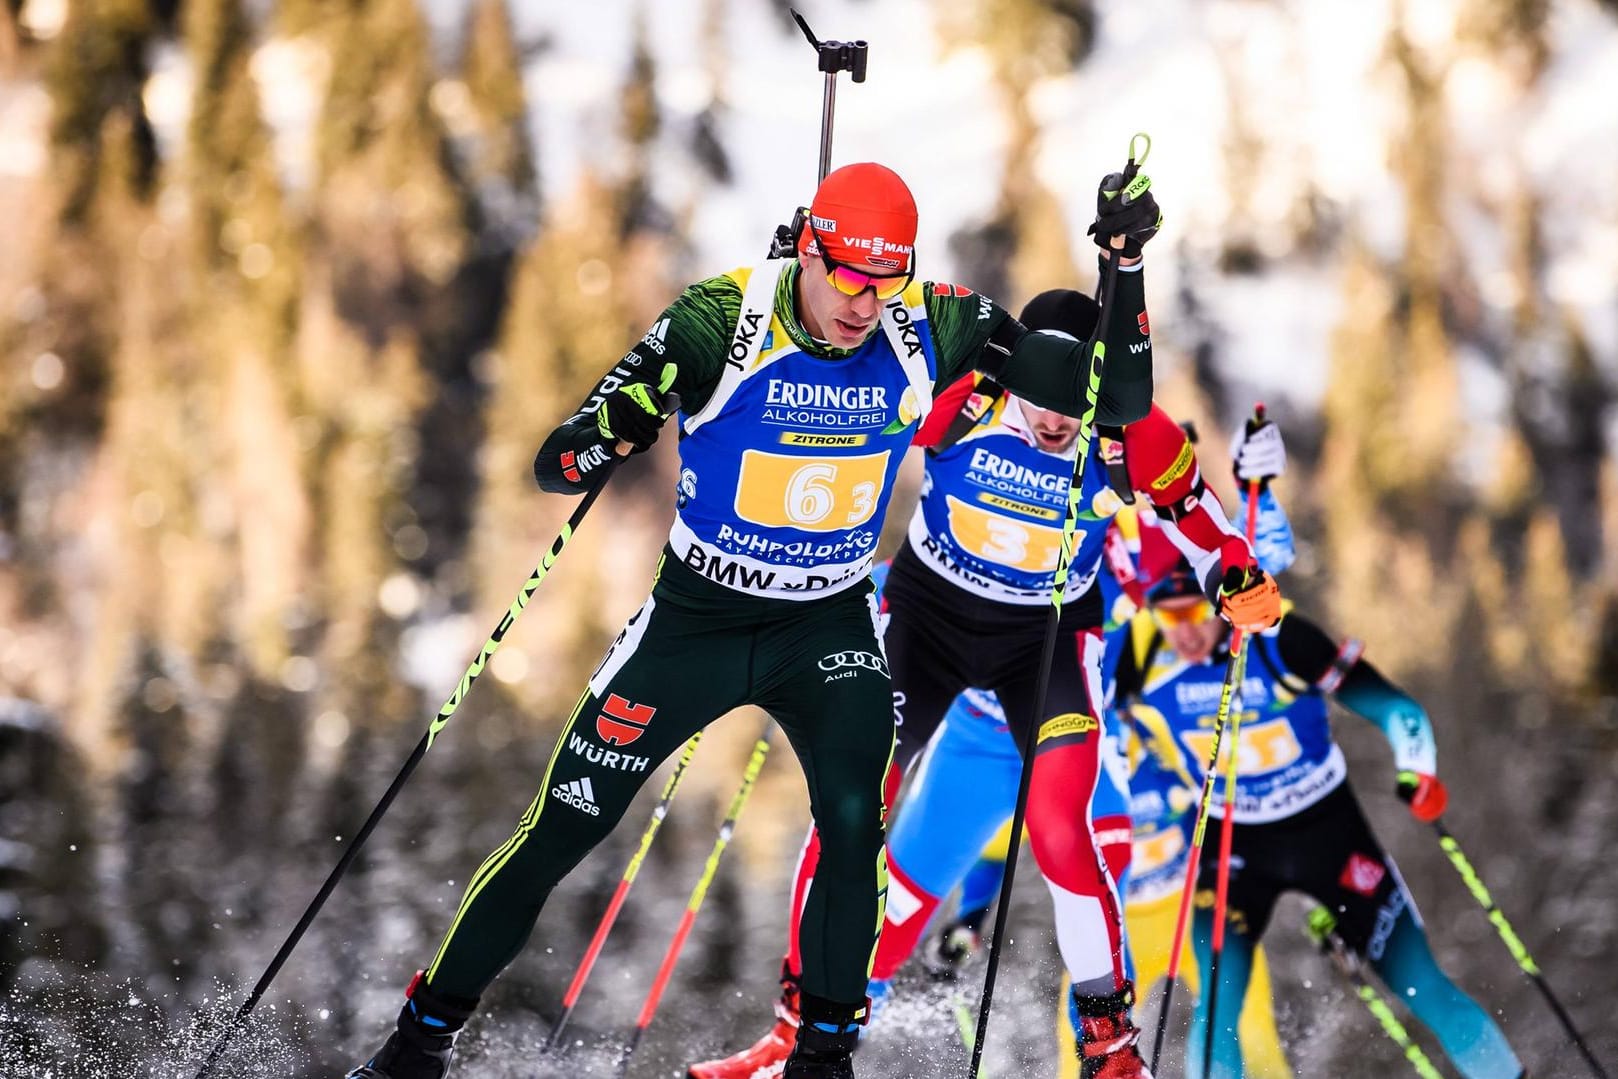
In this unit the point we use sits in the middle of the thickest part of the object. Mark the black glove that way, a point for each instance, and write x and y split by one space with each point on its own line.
636 411
1125 209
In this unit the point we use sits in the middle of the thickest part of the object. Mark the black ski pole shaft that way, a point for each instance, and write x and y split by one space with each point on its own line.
570 999
439 722
738 802
1096 351
1322 929
1474 884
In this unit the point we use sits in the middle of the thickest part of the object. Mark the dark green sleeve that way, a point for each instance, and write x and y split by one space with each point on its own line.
1048 370
692 333
961 322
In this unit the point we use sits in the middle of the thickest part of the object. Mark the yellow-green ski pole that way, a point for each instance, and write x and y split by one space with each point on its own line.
439 722
1474 884
754 764
1233 676
1322 929
1135 185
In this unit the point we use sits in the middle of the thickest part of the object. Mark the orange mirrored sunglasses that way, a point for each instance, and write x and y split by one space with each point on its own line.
851 282
1192 614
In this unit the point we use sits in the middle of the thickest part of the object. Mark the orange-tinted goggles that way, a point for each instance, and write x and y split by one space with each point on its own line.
1192 614
851 282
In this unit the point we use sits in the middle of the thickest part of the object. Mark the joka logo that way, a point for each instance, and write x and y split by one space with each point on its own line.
579 794
866 660
621 721
1362 875
907 327
742 343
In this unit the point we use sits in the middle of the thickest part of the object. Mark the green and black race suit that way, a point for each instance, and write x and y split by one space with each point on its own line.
788 451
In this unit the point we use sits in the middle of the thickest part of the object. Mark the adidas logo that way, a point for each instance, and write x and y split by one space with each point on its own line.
656 336
579 794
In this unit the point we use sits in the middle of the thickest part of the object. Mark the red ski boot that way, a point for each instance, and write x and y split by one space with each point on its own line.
765 1058
1107 1036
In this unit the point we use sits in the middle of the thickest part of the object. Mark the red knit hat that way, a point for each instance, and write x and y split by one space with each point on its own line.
864 213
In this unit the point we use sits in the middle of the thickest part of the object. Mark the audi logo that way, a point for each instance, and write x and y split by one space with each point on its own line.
870 661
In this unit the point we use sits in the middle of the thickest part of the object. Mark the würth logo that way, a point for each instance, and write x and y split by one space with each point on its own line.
621 721
579 794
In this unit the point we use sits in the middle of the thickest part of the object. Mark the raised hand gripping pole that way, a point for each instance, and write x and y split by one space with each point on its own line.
1096 349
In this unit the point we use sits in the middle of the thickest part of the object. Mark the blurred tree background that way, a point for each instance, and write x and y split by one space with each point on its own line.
271 379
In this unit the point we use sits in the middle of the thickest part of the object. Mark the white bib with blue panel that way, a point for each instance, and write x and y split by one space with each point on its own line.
992 508
786 472
1288 759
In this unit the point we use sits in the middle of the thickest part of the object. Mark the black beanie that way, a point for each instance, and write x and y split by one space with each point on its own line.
1063 309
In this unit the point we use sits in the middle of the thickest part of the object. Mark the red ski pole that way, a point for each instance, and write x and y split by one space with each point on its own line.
570 999
700 892
1227 824
1234 670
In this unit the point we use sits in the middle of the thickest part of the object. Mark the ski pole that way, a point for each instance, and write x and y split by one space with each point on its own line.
756 762
1514 944
965 1025
1322 929
439 722
571 998
1234 670
1097 350
1227 826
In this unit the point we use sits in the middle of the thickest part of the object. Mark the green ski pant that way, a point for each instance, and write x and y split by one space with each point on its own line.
695 651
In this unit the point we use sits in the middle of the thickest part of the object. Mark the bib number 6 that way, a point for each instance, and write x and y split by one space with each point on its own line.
814 494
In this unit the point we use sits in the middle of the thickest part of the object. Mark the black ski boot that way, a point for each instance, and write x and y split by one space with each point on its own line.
423 1044
827 1038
